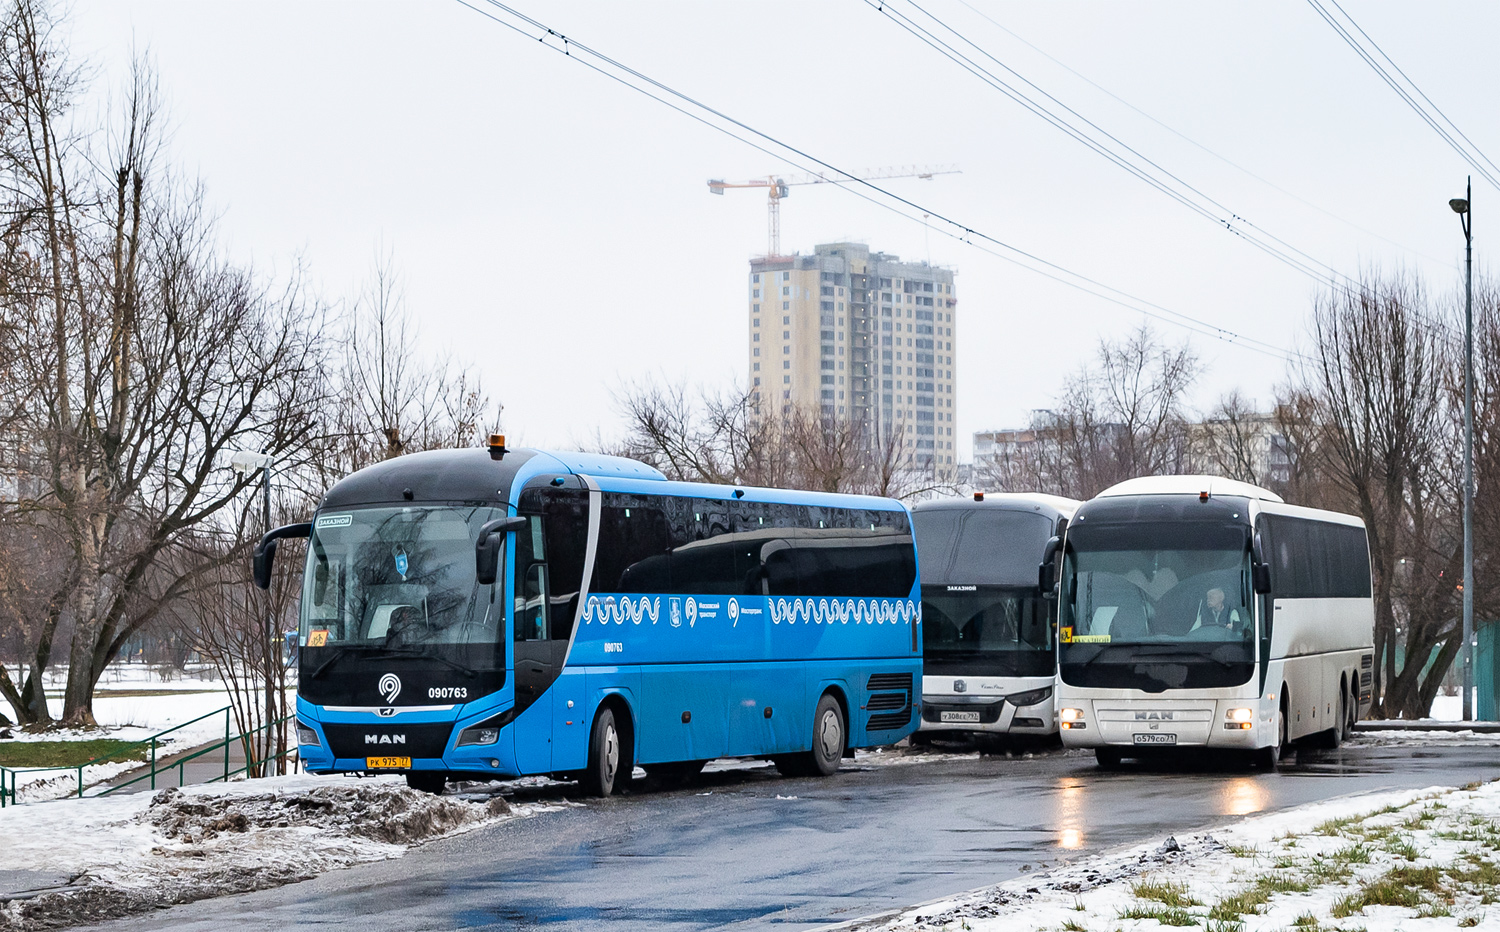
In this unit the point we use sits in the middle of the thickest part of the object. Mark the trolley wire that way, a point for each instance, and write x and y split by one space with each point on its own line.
1435 117
1126 157
1193 142
694 109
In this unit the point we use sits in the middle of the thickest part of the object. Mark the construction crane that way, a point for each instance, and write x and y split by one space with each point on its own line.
778 186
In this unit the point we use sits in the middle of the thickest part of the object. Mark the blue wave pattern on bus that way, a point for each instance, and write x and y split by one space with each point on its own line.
611 610
843 611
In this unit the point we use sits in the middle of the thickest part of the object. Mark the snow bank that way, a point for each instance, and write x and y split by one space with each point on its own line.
127 854
1396 737
1427 859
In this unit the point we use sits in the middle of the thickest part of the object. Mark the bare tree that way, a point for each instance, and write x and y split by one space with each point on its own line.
1372 393
391 398
150 357
236 628
1120 418
723 438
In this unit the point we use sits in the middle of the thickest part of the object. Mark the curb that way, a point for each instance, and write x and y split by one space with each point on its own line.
1429 725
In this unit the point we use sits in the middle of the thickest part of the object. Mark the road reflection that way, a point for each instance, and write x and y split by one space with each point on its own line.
1069 816
1242 796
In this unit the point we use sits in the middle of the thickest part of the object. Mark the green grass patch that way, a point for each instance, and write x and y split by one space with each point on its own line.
1402 848
1280 883
1166 893
68 753
1400 886
1231 908
1166 915
1073 925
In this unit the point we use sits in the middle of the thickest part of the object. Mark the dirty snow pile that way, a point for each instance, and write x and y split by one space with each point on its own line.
1426 859
126 854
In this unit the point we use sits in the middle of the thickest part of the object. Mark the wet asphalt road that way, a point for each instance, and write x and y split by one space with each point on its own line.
728 853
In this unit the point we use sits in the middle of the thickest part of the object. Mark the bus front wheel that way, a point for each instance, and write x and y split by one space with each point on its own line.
1108 758
605 756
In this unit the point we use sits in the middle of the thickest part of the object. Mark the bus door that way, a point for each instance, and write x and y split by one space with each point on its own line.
539 651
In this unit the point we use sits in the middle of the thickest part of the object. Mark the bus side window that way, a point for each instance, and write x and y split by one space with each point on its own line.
532 616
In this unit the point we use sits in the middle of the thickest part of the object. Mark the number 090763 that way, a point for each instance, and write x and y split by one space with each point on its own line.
448 692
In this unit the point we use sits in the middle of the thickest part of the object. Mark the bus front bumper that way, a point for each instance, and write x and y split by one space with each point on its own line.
386 745
986 715
1162 724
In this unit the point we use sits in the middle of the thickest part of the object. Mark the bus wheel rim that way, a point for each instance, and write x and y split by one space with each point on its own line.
828 735
611 753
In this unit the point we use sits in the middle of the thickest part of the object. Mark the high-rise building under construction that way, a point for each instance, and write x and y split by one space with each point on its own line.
860 337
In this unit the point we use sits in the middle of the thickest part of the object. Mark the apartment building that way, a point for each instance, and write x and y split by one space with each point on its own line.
861 337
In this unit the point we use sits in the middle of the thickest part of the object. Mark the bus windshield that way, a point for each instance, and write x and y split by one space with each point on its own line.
986 630
397 578
1157 606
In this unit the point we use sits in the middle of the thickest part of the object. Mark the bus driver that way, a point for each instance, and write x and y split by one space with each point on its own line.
1213 613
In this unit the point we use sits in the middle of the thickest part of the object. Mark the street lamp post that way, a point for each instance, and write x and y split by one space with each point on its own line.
1461 207
245 462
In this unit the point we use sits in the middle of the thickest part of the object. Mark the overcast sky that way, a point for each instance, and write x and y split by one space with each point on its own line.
554 228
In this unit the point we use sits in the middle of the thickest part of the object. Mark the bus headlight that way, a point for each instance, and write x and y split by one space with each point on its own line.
479 734
305 735
1240 719
1072 718
1030 697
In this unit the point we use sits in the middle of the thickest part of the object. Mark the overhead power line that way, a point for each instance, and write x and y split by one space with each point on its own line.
1102 142
1096 138
866 189
1191 141
1407 90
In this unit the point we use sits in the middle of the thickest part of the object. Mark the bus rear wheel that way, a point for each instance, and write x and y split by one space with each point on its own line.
606 756
427 781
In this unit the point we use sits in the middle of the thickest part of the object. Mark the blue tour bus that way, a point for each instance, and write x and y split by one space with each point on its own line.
477 615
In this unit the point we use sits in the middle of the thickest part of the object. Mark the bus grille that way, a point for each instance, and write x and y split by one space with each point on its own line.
417 740
889 702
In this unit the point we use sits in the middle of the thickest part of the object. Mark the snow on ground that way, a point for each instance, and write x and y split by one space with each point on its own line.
1425 859
1411 739
126 854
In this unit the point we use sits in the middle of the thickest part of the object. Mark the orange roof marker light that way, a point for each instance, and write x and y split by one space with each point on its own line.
1202 496
978 496
497 447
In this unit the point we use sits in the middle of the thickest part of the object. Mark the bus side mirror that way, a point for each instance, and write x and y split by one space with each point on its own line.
1046 572
265 551
1261 573
487 547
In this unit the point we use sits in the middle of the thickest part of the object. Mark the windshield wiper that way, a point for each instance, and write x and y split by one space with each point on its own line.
381 652
387 652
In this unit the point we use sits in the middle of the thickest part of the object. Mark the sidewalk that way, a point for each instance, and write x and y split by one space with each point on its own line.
1428 724
172 771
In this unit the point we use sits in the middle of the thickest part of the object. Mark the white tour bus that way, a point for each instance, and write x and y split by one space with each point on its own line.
989 655
1202 612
